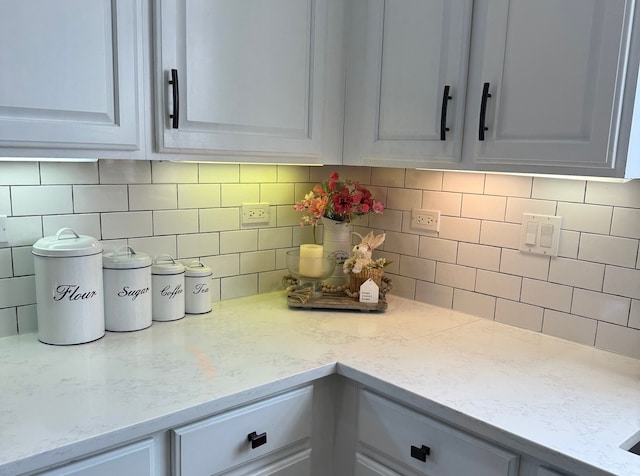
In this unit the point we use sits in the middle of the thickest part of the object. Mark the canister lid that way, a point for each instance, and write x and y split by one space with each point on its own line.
197 269
125 257
165 264
66 242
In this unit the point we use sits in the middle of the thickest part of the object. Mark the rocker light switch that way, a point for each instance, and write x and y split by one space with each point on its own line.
540 234
546 235
532 233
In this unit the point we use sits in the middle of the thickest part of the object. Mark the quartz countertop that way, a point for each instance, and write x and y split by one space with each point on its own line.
543 396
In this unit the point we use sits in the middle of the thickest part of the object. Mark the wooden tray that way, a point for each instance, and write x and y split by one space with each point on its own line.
338 301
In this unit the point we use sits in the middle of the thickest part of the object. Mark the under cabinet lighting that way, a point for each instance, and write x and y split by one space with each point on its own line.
296 164
521 174
45 159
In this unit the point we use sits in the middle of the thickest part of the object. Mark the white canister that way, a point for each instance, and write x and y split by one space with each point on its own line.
69 291
167 289
197 278
127 289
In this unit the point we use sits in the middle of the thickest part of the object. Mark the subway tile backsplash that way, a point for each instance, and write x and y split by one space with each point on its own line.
589 294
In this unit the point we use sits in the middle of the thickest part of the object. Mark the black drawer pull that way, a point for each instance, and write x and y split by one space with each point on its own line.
483 111
175 117
443 113
257 440
420 453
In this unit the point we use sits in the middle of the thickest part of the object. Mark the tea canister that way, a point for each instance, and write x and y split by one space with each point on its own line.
167 289
127 289
197 277
69 288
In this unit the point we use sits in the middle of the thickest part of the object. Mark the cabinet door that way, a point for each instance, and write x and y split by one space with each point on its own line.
69 74
252 77
554 71
403 54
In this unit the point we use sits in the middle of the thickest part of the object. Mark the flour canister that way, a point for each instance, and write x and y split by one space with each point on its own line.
197 278
167 289
69 288
127 289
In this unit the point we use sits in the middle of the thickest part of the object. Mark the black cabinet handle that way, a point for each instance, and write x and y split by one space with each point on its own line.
483 111
176 99
443 114
257 440
420 453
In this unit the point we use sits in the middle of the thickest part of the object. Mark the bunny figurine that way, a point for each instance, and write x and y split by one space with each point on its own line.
361 253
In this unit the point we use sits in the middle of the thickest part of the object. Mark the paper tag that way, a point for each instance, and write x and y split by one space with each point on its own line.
369 292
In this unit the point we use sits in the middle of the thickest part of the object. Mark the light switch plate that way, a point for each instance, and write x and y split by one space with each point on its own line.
540 234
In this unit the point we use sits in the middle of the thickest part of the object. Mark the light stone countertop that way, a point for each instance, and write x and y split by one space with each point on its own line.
537 394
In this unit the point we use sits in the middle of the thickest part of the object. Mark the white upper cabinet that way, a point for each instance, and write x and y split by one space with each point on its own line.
70 76
553 76
251 79
406 82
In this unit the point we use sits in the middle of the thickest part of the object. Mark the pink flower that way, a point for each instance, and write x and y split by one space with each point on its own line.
378 207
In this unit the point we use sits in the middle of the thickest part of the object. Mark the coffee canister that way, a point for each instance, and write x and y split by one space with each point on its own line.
167 289
69 288
127 289
197 278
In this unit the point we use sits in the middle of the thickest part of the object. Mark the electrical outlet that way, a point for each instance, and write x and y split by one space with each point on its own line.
425 219
253 213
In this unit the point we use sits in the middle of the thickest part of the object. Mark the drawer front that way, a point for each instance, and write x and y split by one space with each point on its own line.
393 430
221 442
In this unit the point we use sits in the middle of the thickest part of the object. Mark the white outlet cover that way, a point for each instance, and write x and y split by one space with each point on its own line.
254 213
540 234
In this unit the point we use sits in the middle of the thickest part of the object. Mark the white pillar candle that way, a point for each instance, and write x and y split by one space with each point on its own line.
311 261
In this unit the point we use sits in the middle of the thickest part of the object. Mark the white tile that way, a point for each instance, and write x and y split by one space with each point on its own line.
238 286
155 245
5 200
517 206
357 173
569 243
118 171
438 249
82 223
622 282
197 245
18 291
254 173
519 314
6 263
173 172
257 261
281 257
270 281
198 195
572 272
19 173
588 218
126 225
435 294
238 241
634 314
558 189
418 268
401 243
479 256
22 261
270 238
456 276
8 322
524 264
304 234
223 265
69 173
463 182
424 179
293 173
100 198
474 303
505 235
219 173
27 319
389 220
547 295
403 199
393 260
234 195
600 306
153 197
175 222
500 285
460 229
287 216
41 200
626 222
277 193
403 286
385 177
618 339
219 219
508 185
608 250
449 203
112 245
24 230
618 194
569 327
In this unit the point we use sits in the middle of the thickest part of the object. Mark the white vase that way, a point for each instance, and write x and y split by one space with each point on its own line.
337 239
